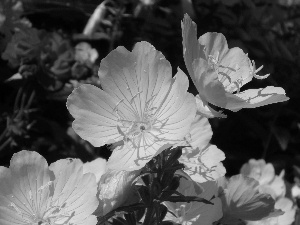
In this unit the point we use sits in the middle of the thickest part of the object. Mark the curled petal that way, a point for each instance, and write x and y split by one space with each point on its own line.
253 98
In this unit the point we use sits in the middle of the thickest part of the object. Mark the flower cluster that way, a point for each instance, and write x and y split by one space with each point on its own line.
143 112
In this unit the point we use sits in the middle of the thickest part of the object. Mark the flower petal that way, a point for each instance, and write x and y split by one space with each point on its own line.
253 98
94 113
140 79
177 112
74 192
23 187
203 165
243 200
97 167
127 157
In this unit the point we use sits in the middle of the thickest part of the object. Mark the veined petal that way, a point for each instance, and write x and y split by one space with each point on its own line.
253 98
94 113
232 64
203 164
175 116
207 83
74 192
24 188
128 157
200 133
242 200
140 79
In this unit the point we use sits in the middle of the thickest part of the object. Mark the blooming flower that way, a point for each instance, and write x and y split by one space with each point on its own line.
287 206
141 107
115 189
85 54
196 212
202 160
242 200
219 72
33 193
264 173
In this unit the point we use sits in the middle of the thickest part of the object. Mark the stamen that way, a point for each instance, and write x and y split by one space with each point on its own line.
116 107
133 97
44 186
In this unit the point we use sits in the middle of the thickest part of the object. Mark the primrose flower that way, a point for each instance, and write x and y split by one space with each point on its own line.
196 212
202 160
33 193
284 204
141 109
218 72
242 200
115 189
264 173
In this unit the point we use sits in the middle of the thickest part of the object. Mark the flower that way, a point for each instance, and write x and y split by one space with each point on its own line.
242 200
287 206
85 54
265 174
219 72
142 109
33 193
202 160
115 189
195 212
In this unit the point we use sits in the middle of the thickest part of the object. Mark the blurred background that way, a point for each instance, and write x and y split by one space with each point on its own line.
50 47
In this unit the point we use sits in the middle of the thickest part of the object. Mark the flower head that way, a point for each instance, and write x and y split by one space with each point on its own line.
218 72
284 204
33 193
264 173
242 200
141 107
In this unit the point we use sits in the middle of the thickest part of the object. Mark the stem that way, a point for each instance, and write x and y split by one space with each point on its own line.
148 216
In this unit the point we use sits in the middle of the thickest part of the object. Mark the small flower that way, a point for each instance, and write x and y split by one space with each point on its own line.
284 204
115 189
218 72
141 107
195 212
242 200
85 54
33 193
264 173
202 160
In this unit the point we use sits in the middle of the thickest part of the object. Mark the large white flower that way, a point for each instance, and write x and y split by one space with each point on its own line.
141 107
31 193
219 72
202 160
